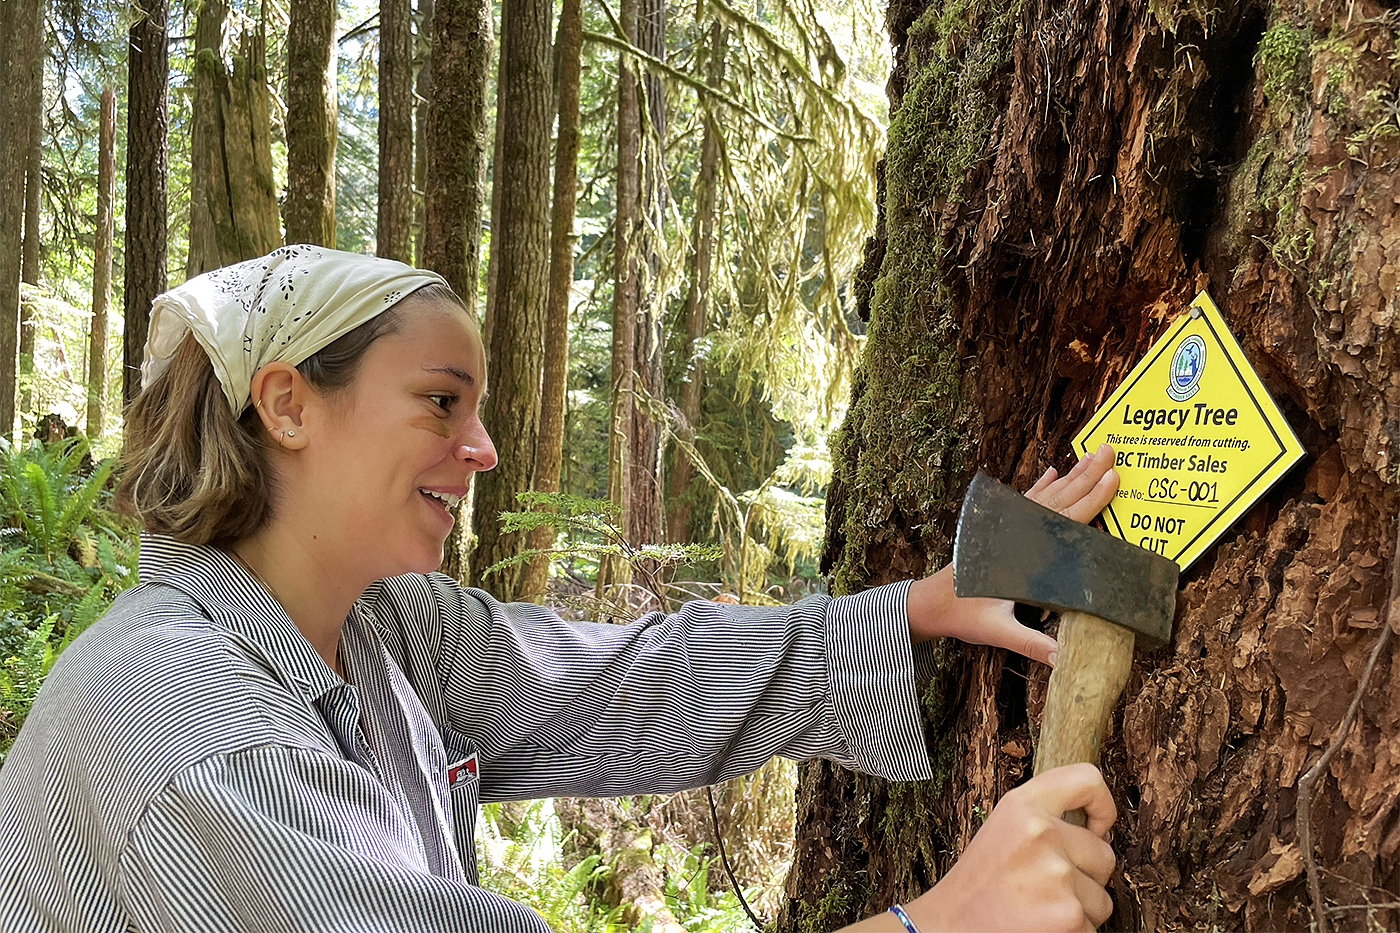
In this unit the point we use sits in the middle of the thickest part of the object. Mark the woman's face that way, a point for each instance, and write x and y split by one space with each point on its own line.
391 452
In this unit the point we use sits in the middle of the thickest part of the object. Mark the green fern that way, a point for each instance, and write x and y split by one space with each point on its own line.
596 533
21 674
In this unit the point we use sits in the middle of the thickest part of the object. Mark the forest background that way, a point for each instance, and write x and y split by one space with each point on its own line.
1059 179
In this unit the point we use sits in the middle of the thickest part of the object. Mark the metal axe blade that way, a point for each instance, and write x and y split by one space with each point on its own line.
1012 548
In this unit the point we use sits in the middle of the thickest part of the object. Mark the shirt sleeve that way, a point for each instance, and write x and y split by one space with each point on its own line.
281 839
669 701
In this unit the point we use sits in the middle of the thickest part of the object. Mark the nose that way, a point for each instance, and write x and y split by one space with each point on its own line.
477 451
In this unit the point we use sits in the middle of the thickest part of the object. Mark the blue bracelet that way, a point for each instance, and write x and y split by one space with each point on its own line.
898 911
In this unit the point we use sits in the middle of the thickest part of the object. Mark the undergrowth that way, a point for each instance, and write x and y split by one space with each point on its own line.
64 556
523 858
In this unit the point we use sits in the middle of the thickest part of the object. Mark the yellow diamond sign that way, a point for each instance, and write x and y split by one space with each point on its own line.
1198 439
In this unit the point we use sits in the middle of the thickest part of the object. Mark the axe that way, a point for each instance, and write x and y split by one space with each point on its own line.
1108 593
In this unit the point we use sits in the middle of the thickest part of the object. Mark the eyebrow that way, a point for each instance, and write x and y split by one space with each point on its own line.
459 374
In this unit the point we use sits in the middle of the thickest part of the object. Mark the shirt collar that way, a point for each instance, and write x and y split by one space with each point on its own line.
231 597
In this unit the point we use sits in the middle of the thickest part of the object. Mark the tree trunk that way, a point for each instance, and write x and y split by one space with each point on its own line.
455 146
393 233
145 238
549 450
204 134
454 170
646 521
521 235
679 525
423 89
621 420
19 59
1060 181
311 129
493 259
102 263
233 201
33 159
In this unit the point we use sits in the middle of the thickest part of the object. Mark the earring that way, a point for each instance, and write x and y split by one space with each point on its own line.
291 434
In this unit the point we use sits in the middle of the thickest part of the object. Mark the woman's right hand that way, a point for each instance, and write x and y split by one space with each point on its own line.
1027 869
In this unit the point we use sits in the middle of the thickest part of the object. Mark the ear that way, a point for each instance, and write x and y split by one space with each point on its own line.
280 394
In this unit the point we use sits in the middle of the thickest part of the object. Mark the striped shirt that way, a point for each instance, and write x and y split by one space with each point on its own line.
192 763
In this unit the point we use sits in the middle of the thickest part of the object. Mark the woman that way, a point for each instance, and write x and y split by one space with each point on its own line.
289 723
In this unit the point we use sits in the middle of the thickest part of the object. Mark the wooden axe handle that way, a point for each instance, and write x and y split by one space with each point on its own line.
1089 676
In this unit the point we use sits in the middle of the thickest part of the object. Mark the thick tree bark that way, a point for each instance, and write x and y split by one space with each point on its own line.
679 526
393 233
233 200
102 262
621 419
311 128
549 450
646 521
1060 181
148 65
520 236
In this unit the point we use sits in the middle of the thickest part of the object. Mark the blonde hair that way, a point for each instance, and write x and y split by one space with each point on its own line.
193 470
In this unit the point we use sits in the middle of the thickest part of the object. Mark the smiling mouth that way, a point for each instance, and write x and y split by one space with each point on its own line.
448 499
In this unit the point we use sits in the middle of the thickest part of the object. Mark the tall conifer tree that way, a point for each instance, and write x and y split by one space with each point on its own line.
148 64
549 450
309 214
393 229
520 235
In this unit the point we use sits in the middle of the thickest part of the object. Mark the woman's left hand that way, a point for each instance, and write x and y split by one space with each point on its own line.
934 611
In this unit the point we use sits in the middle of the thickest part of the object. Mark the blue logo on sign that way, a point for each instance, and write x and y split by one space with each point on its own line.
1188 364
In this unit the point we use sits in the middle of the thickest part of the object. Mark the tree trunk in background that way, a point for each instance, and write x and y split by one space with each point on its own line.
393 231
679 526
493 259
204 133
624 314
1060 181
311 123
33 160
454 172
549 450
145 237
455 150
233 198
520 236
19 54
102 263
423 89
647 521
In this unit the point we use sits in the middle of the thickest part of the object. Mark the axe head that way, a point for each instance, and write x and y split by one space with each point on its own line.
1012 548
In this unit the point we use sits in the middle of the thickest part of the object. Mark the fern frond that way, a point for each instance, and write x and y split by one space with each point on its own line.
79 505
44 519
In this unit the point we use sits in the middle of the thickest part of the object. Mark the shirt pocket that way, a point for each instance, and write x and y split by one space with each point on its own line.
462 777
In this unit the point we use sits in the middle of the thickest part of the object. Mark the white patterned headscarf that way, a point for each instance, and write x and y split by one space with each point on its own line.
284 307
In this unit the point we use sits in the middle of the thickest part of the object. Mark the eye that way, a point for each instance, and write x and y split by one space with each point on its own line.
443 401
